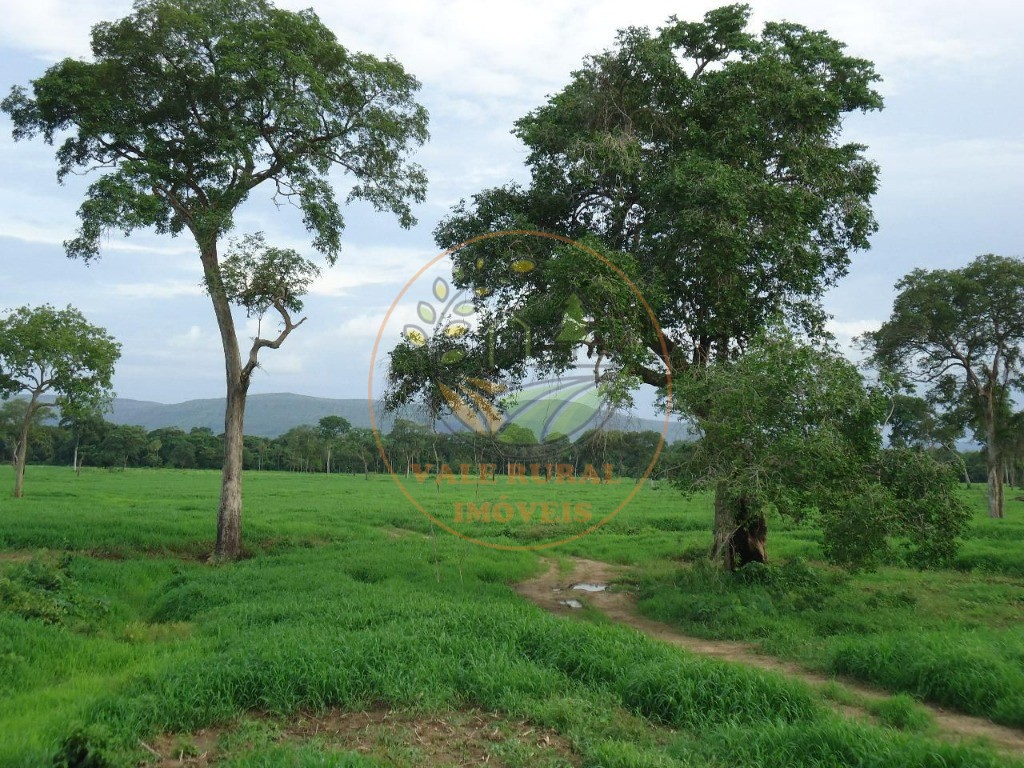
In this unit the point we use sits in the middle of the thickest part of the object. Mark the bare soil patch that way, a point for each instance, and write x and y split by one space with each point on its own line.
399 738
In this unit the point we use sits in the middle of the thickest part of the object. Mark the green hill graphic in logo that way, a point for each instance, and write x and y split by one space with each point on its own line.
567 405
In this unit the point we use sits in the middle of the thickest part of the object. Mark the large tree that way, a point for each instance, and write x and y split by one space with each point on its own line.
706 163
960 333
189 105
43 351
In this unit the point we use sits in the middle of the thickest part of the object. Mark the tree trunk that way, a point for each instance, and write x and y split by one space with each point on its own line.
21 452
740 536
994 464
229 512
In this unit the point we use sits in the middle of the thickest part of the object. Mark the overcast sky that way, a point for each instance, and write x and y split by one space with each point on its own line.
949 143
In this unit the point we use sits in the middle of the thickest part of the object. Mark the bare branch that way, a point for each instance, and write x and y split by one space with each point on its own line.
259 343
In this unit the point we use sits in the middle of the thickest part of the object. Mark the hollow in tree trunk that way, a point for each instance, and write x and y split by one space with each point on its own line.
740 535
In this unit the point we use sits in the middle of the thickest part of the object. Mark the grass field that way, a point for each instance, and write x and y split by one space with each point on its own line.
355 633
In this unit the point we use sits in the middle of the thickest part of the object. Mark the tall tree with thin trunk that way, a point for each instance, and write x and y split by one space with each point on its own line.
960 332
190 105
44 351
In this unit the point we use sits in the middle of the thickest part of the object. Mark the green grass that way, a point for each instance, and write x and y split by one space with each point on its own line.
114 629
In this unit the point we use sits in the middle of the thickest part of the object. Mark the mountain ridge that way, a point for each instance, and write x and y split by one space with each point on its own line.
273 414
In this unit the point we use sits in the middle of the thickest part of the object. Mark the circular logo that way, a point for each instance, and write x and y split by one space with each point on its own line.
536 454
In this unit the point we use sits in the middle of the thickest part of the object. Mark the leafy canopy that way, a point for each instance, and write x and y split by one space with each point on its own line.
706 163
257 277
190 104
792 430
44 349
958 331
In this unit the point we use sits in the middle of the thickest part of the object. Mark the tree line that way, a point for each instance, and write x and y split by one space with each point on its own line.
332 445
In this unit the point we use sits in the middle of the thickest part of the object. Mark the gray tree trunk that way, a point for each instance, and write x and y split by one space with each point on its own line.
229 512
22 450
994 463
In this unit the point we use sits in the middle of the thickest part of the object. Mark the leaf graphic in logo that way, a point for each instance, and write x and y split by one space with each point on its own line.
472 408
457 329
415 336
465 309
522 266
426 312
440 289
574 329
452 356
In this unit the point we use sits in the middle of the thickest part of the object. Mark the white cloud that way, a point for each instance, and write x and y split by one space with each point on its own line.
153 291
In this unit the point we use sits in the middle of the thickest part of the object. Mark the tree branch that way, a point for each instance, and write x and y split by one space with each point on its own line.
259 343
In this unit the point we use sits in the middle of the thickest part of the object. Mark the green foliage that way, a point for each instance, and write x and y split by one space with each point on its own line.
788 426
791 430
929 517
46 591
960 332
191 105
44 349
318 619
258 277
632 155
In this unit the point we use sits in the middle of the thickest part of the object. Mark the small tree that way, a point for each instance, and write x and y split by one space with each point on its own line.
332 429
789 429
47 350
960 332
186 108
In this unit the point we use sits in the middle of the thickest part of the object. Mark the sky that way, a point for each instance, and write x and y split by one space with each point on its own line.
949 143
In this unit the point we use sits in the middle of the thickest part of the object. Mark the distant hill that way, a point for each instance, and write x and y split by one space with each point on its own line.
273 415
265 415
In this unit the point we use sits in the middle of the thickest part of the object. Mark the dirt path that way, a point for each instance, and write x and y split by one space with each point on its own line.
552 588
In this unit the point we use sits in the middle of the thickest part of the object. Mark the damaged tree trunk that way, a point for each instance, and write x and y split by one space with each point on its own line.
740 535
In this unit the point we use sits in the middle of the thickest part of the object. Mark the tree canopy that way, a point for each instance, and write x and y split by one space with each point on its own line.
47 350
709 159
189 105
960 334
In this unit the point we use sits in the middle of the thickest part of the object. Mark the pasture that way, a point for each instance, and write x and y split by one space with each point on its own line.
356 633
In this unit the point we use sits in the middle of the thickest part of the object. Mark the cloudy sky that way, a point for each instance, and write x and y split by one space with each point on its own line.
949 142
